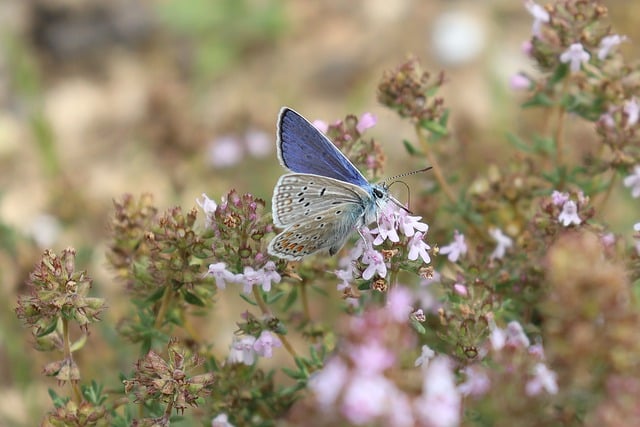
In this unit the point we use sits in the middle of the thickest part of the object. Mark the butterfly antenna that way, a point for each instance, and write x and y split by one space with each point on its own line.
395 179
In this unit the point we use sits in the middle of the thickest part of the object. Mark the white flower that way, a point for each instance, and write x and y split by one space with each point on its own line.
375 262
426 355
540 16
632 110
575 55
221 274
569 214
504 243
265 343
221 420
633 182
417 247
607 43
544 378
242 351
455 249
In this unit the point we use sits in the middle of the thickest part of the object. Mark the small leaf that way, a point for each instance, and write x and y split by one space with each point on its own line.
193 299
247 299
413 151
434 127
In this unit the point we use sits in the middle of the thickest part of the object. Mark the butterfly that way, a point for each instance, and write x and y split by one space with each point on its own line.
324 198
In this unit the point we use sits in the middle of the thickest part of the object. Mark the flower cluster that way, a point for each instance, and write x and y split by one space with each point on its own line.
562 210
168 381
264 276
236 228
407 91
357 383
366 262
245 349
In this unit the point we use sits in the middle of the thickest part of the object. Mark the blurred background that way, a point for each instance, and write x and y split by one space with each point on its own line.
179 98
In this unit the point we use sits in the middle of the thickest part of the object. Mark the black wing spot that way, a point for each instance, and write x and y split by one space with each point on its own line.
318 218
322 191
307 204
300 193
305 188
322 225
301 199
338 212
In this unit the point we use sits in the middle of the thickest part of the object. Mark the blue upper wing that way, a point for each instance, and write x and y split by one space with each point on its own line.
304 149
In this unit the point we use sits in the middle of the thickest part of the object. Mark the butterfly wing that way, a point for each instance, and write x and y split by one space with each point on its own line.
317 213
304 149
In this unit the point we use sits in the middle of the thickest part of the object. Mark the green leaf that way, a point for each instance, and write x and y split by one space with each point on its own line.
291 299
418 327
559 73
193 299
272 298
156 295
540 99
247 299
48 329
413 151
434 127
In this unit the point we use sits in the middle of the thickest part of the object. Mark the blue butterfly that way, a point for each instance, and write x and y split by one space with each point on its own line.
324 199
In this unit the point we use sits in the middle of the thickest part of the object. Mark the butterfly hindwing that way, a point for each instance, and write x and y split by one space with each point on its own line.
300 197
304 149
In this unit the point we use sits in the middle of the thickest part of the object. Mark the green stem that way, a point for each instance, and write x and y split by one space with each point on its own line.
267 312
164 306
77 396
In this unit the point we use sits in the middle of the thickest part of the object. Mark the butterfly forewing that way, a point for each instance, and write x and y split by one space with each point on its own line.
304 149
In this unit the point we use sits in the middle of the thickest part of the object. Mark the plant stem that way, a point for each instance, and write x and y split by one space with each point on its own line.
267 312
164 306
77 396
304 296
435 165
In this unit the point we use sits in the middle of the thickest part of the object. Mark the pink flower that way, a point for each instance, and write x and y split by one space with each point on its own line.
221 274
633 181
225 151
250 278
543 379
569 214
417 247
607 43
263 346
386 229
455 249
461 289
477 382
259 143
367 120
208 206
575 55
322 126
515 336
399 304
559 198
365 398
242 350
519 82
327 383
371 358
497 338
346 276
439 404
269 275
375 262
526 47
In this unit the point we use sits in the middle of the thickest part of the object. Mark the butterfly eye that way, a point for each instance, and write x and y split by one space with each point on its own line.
377 193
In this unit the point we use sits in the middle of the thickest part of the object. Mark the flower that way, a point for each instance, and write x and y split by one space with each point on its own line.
375 262
424 358
208 206
327 383
399 304
258 142
543 378
461 289
225 151
515 336
504 243
269 275
365 398
607 43
221 274
540 16
409 223
569 214
477 383
633 181
439 404
632 110
558 198
455 249
241 350
263 346
221 420
575 55
417 247
386 229
371 358
519 82
346 275
367 120
321 125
